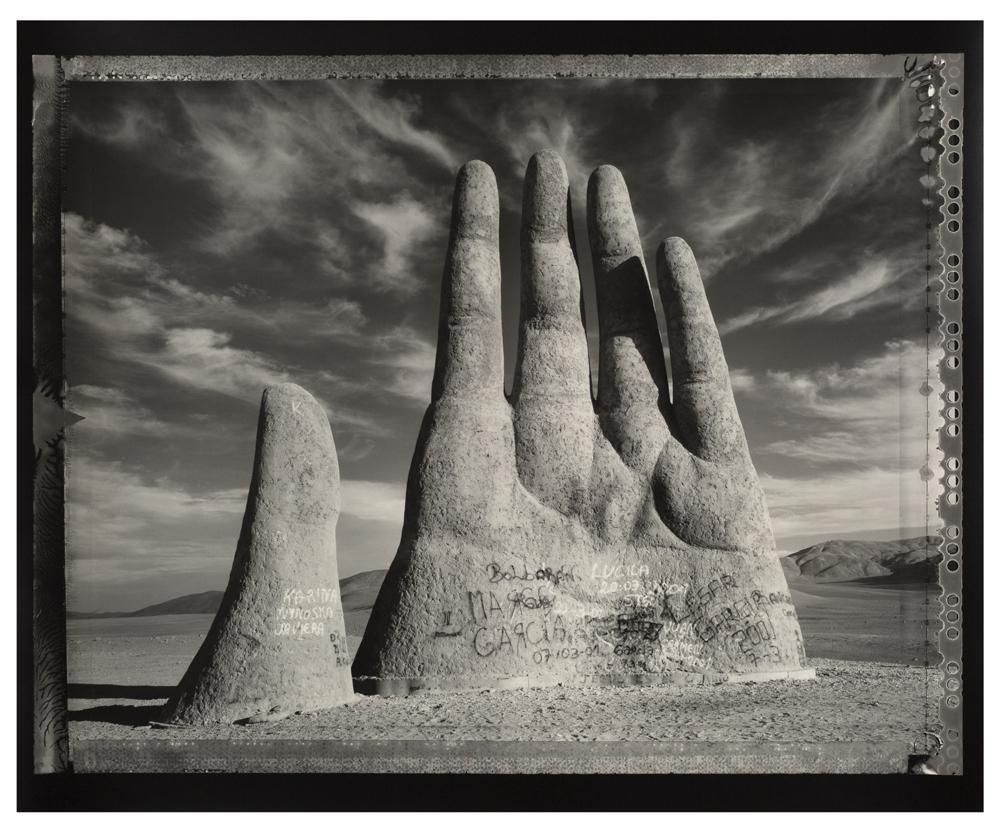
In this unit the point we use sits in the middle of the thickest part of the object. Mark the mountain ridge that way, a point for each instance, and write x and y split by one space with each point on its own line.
910 560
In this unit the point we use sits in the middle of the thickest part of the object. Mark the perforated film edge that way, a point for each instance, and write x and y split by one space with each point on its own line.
937 83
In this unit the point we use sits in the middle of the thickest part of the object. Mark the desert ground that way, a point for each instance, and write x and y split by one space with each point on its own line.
870 641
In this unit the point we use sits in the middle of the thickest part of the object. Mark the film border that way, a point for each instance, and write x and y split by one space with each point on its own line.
933 78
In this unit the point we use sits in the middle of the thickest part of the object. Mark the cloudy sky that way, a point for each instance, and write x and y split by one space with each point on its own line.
223 236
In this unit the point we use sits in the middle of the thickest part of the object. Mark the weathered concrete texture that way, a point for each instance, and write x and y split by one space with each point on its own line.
277 645
450 756
554 539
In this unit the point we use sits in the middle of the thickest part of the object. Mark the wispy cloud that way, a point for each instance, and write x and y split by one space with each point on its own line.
93 247
119 287
394 119
870 287
114 412
403 225
278 155
204 359
251 159
275 157
546 125
744 199
123 526
834 504
857 439
873 414
131 125
410 359
123 294
378 501
138 313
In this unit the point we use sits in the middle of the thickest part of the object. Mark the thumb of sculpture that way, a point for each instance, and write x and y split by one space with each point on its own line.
277 645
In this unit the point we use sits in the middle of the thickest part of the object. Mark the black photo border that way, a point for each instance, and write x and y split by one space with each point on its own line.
125 792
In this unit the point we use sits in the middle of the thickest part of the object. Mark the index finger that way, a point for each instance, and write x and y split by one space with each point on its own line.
470 339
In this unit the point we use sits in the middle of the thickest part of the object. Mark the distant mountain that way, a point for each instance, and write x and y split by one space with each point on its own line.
795 542
914 560
356 592
198 603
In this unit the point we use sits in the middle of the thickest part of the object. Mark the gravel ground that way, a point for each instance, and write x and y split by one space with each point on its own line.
847 701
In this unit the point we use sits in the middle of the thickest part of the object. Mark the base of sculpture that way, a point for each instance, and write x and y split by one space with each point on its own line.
450 615
370 686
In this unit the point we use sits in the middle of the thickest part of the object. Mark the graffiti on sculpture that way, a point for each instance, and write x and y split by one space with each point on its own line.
618 619
308 612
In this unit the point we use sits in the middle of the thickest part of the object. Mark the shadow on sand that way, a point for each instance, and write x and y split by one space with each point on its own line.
133 716
120 691
117 713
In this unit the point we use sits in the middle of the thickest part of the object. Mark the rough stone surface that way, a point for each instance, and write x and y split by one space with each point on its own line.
277 644
552 538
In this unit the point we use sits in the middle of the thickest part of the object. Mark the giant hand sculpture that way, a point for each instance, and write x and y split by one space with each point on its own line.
550 538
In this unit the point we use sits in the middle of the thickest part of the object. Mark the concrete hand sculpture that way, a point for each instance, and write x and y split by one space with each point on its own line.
551 538
277 644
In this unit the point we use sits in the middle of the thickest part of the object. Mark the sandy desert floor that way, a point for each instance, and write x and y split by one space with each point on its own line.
869 645
869 621
847 702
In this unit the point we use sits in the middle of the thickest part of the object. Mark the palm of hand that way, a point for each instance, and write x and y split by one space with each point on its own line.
552 538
